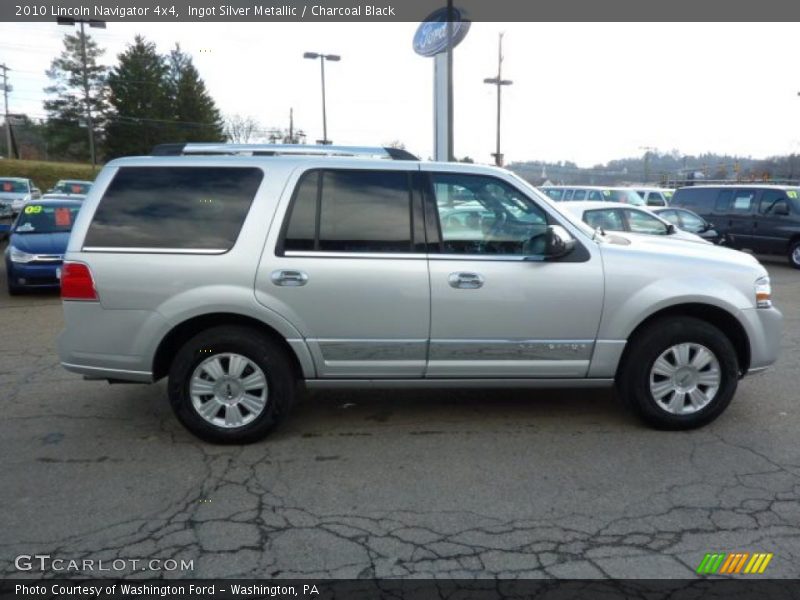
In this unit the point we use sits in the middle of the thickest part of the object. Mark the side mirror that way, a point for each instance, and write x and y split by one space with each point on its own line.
781 209
558 242
671 229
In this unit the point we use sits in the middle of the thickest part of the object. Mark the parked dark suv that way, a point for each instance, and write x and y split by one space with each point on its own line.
761 218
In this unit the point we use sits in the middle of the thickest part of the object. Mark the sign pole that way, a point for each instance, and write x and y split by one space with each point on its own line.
436 37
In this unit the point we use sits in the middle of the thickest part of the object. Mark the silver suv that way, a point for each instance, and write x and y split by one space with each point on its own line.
239 271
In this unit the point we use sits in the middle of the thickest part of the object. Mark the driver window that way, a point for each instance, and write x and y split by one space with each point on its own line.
484 215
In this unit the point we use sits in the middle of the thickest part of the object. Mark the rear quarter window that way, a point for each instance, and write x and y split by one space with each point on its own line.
182 208
700 200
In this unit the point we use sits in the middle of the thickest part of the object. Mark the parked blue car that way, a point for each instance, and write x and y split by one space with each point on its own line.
39 237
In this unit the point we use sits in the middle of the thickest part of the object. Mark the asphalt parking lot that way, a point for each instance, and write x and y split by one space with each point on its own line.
393 484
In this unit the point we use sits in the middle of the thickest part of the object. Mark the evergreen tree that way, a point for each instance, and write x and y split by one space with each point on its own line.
66 131
196 115
141 99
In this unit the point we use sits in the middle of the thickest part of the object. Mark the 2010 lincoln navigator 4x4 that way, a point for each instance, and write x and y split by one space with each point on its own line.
239 271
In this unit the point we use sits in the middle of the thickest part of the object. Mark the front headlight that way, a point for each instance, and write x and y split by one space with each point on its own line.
763 289
18 256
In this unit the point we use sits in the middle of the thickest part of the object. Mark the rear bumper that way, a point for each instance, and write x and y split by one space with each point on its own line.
764 327
109 344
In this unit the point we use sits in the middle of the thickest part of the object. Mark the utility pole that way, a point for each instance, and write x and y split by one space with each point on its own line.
647 151
86 96
6 89
499 82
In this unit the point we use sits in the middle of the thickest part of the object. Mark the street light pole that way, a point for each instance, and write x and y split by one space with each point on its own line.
647 151
86 96
322 58
6 89
499 82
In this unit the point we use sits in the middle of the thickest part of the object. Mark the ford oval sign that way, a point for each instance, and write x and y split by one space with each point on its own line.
431 36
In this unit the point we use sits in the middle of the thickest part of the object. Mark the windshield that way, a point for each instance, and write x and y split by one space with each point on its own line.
10 186
72 187
50 218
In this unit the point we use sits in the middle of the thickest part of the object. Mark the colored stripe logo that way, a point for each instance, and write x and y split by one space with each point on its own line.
734 563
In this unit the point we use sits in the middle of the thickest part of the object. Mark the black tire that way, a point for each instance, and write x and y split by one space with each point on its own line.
794 254
633 376
259 349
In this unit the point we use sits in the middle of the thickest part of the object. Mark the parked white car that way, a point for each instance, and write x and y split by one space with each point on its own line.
630 220
654 196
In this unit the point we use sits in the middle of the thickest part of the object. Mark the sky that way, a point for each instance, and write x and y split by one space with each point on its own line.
582 92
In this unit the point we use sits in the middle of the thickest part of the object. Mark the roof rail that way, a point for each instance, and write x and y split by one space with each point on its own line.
281 149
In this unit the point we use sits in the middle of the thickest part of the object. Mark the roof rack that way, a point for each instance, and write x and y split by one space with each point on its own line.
281 149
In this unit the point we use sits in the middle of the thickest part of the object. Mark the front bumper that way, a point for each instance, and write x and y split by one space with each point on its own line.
764 327
34 275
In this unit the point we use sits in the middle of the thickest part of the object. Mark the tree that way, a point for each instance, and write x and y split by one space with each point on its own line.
239 129
196 116
141 102
66 132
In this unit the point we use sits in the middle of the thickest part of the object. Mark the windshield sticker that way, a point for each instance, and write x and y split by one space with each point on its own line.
63 217
791 194
33 209
25 228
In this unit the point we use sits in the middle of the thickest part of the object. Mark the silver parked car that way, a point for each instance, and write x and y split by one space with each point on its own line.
630 220
15 192
238 271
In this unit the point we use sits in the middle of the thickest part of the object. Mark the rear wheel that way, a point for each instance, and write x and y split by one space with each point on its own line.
231 385
679 373
794 254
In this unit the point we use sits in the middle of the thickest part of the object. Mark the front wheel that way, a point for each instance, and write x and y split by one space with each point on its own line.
231 385
679 373
794 254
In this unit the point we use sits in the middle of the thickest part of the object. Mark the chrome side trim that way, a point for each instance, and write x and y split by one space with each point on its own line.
335 350
484 350
542 383
153 250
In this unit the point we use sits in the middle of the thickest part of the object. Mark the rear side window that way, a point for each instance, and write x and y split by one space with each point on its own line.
723 203
579 195
352 211
182 208
608 219
743 200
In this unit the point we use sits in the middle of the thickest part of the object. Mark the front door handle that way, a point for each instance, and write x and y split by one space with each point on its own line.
289 278
466 281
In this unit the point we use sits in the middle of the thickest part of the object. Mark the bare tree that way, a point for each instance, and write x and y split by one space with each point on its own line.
240 129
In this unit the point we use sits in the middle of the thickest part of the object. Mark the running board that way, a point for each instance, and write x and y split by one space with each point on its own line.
456 383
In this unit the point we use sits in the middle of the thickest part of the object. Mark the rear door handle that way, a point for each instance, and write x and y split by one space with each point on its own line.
289 278
466 281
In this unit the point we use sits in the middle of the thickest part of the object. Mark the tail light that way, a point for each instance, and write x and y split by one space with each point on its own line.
77 282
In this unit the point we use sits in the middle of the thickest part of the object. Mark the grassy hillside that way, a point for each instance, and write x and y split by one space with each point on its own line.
45 174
